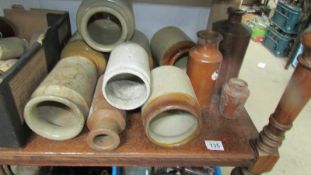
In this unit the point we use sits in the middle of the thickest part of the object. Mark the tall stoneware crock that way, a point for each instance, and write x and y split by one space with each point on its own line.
172 115
170 46
233 46
126 82
204 64
59 106
104 24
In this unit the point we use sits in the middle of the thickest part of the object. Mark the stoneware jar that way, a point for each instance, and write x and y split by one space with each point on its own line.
6 65
104 24
12 47
58 107
236 38
126 83
170 46
204 64
233 98
172 115
141 39
104 122
78 47
6 28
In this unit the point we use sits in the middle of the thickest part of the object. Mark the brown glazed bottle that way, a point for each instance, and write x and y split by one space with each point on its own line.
104 122
203 66
233 46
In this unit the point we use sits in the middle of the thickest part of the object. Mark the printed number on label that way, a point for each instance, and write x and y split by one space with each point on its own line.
214 145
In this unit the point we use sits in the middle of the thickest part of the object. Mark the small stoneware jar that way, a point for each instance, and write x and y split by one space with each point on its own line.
141 39
172 115
6 65
104 24
170 46
233 98
12 47
203 65
126 83
78 47
104 122
58 107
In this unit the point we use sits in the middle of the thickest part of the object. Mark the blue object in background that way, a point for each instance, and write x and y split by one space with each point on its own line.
287 17
217 170
278 43
116 170
299 52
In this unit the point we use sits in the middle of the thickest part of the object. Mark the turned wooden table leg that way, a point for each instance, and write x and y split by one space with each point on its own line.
295 97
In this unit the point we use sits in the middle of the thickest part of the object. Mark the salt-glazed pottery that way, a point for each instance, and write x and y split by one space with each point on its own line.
236 38
233 98
172 115
104 122
12 47
204 64
78 47
170 46
58 107
141 39
126 82
104 24
5 65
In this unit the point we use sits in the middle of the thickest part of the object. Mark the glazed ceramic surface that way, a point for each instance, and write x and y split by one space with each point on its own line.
204 64
58 107
104 24
78 47
104 122
171 116
6 65
170 46
12 47
126 83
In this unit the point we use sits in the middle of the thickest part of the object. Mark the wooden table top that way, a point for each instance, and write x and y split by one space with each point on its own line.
137 150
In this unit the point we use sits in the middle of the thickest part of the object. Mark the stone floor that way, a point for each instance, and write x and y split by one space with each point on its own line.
266 86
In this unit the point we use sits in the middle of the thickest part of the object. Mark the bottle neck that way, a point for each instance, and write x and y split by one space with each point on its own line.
208 44
209 39
235 18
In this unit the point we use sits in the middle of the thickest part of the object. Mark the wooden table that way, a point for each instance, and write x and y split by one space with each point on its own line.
136 149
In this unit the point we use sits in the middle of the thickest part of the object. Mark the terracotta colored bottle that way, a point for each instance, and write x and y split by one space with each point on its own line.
233 98
104 122
203 66
233 46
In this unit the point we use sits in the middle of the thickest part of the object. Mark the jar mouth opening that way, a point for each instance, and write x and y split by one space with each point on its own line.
238 83
209 36
103 140
126 91
172 127
53 118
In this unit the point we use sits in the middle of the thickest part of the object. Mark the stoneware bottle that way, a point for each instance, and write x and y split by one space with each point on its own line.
170 46
203 65
12 47
58 107
126 83
233 98
6 65
78 47
141 39
235 42
104 24
104 122
172 115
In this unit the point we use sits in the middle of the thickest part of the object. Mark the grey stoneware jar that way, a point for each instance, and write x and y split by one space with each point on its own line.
172 115
12 47
126 82
58 107
170 46
104 24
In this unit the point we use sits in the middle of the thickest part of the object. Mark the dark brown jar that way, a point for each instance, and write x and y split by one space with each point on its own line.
233 46
203 65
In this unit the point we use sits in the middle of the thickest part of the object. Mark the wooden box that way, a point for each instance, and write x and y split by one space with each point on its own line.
17 85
